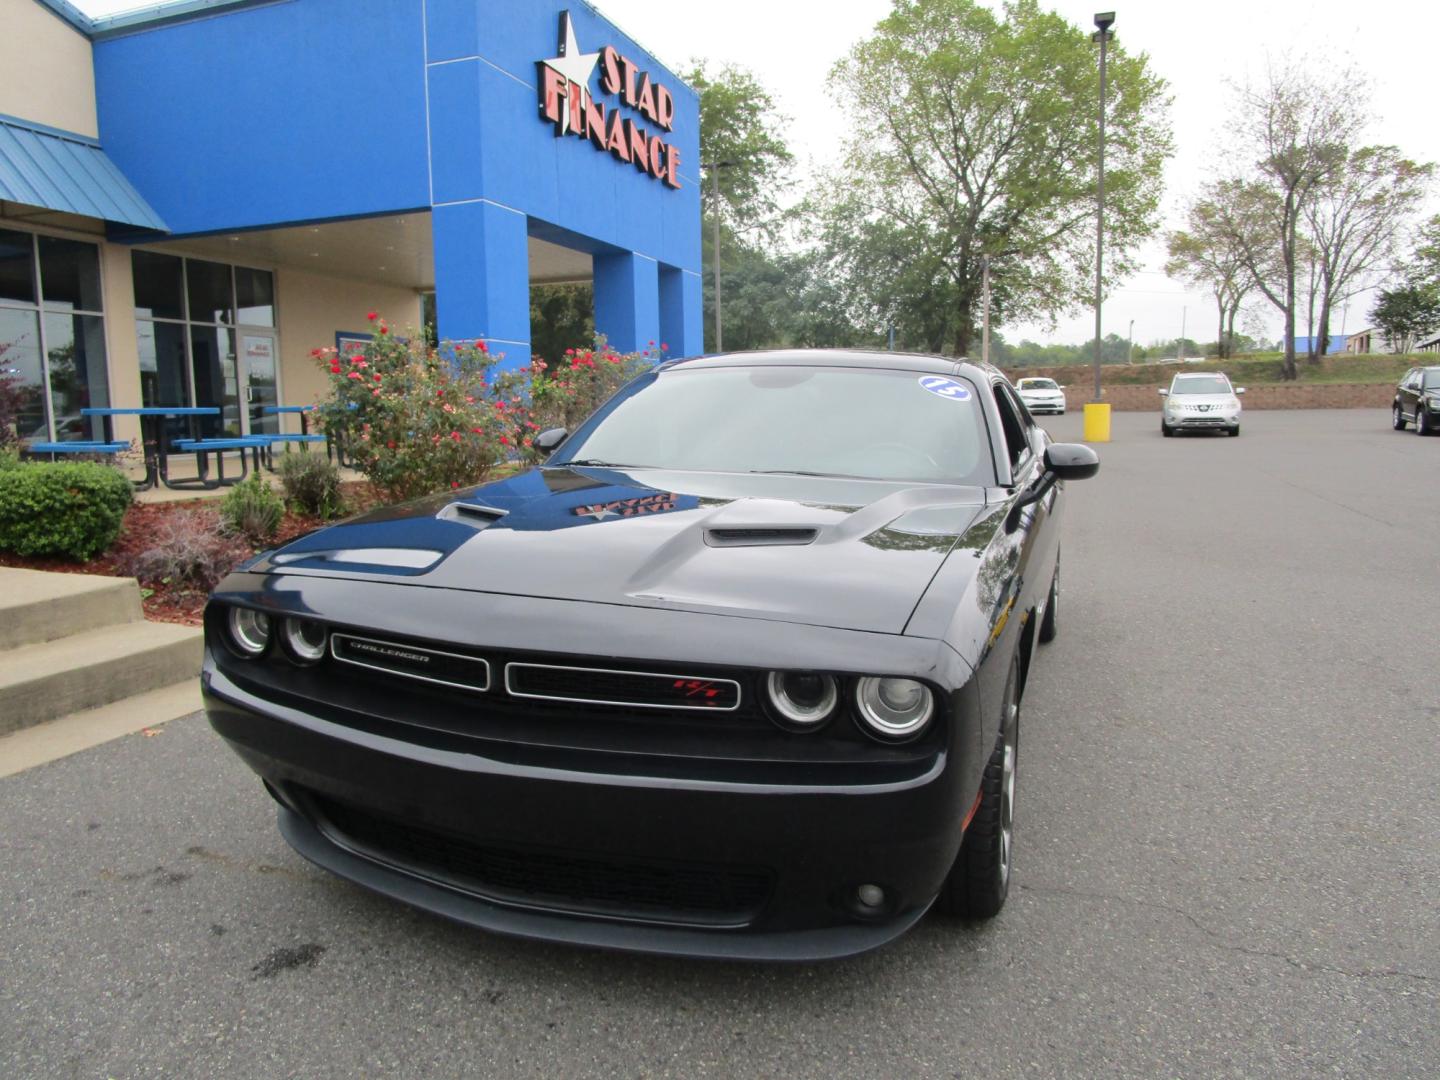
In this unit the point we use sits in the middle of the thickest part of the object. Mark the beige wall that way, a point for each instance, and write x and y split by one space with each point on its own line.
46 71
312 308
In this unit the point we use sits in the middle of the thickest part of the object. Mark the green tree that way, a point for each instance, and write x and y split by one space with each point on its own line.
1294 130
561 317
1206 255
976 134
1406 312
740 126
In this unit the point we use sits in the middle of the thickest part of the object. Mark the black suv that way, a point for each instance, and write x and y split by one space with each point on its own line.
1417 401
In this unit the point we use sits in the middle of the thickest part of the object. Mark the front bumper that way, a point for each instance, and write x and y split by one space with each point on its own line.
1053 408
1201 422
595 849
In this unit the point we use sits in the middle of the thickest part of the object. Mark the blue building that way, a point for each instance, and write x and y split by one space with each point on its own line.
194 197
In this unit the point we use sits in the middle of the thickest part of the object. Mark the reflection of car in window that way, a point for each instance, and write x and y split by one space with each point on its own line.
737 672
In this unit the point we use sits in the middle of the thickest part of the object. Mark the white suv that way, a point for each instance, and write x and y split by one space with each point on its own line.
1201 401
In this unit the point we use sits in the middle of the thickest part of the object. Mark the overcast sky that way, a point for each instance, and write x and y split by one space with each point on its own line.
791 47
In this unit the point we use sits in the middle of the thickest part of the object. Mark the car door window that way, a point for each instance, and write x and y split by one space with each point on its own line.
1015 424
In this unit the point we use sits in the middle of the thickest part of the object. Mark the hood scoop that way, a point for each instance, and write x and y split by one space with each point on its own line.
473 514
761 536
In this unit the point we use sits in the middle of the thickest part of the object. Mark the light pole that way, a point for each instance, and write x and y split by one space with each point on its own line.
715 167
985 301
1130 345
1103 21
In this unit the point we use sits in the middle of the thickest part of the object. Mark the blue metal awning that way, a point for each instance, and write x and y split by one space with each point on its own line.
58 170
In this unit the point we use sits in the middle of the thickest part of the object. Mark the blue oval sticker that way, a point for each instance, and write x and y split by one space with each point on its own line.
946 388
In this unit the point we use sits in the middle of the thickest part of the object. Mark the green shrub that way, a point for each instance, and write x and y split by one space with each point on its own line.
73 509
253 509
312 483
9 457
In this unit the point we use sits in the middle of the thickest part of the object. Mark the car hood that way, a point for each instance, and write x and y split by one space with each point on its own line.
821 551
1204 399
1042 392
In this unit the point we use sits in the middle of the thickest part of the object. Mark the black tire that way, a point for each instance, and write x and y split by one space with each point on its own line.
1050 624
1422 422
979 880
1235 431
1397 418
1166 430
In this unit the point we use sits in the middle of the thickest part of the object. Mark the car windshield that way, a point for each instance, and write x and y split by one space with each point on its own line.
866 423
1038 384
1200 384
1432 378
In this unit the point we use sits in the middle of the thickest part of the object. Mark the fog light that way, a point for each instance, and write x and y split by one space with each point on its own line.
802 699
871 897
305 640
249 631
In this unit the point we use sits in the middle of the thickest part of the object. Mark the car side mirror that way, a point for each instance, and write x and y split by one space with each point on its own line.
547 441
1164 393
1239 390
1063 461
1071 461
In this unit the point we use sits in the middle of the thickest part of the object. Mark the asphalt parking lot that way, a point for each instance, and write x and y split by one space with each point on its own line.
1228 846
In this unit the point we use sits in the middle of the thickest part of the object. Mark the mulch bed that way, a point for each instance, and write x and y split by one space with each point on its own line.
176 603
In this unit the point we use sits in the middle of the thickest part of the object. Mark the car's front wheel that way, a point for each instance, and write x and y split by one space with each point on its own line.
979 880
1422 421
1166 430
1397 418
1234 431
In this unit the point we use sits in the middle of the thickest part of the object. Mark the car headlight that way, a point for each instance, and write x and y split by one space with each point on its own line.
802 699
894 709
305 640
249 631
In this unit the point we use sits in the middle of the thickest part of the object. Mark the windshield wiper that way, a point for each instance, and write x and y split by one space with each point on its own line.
592 463
802 472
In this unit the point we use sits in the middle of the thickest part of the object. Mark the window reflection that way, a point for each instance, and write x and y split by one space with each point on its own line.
70 274
22 373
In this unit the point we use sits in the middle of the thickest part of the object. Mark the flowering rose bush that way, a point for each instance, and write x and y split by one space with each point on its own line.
414 419
563 396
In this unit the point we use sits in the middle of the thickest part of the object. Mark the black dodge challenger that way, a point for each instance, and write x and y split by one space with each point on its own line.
737 673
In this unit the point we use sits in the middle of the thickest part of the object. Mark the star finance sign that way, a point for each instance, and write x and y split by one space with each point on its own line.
565 101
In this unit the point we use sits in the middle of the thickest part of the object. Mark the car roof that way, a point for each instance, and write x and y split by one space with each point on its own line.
856 358
1201 375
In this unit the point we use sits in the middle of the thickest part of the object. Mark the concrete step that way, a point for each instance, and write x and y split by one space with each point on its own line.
44 681
68 735
37 607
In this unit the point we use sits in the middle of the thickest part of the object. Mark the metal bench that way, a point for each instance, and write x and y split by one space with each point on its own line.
258 446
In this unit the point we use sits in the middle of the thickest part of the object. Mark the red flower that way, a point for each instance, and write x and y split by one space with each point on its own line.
378 376
504 441
373 316
391 444
335 369
384 329
454 483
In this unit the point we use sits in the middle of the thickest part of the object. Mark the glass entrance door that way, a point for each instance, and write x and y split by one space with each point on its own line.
259 375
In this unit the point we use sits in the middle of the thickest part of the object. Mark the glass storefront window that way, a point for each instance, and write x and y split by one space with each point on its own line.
159 285
75 347
51 353
212 364
69 274
210 292
188 357
20 368
17 267
255 296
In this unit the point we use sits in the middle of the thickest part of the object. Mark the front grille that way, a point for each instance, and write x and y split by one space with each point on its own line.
424 663
587 884
603 686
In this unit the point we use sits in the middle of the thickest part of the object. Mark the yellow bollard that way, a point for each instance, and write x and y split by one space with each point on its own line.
1097 423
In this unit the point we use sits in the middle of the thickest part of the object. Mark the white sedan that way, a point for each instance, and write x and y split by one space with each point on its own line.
1042 396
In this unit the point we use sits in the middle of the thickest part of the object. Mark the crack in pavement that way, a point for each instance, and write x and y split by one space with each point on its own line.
1218 941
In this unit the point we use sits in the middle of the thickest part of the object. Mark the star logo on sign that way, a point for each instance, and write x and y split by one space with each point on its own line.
573 65
600 513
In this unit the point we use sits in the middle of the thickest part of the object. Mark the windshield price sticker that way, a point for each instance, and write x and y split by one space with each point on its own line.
946 388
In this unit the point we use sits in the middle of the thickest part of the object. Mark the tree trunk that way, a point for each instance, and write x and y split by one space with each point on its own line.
1287 365
1324 329
1220 333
